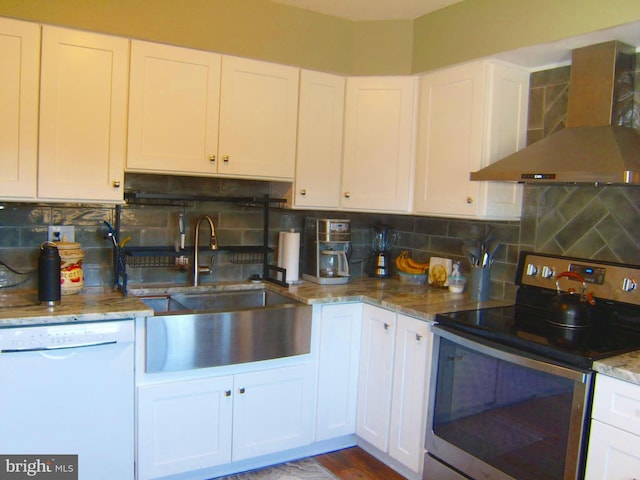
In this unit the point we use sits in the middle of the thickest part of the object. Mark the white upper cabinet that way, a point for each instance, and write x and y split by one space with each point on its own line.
320 127
19 82
200 113
83 115
470 116
378 160
174 98
258 119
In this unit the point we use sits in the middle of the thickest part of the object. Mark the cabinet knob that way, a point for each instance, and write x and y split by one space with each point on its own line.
387 326
303 192
469 200
225 158
418 337
227 393
212 158
116 184
347 194
241 390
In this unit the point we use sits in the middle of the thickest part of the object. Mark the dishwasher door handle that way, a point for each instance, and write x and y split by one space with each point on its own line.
57 347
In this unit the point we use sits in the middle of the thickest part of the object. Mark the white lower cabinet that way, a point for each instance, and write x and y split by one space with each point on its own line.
189 425
184 426
408 399
392 388
614 439
339 360
272 411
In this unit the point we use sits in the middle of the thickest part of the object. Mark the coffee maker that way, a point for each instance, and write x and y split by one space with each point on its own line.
327 244
383 239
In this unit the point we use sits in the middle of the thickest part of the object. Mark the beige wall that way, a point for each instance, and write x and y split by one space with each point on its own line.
269 31
480 28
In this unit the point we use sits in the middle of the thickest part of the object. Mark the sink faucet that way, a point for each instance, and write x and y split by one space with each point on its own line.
213 245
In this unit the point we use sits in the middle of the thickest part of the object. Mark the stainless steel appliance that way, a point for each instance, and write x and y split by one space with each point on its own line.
383 239
327 245
600 144
511 386
68 389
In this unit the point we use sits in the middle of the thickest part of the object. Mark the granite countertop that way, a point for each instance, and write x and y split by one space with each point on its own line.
421 301
21 307
624 367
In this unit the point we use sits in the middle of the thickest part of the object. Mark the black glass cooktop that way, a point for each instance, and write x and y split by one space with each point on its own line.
614 332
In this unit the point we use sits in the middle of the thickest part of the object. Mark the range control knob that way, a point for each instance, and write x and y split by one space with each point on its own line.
547 272
629 285
532 270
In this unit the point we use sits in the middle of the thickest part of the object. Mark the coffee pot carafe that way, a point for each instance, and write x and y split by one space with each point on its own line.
333 263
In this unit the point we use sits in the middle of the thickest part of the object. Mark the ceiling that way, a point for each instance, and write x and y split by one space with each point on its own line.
361 10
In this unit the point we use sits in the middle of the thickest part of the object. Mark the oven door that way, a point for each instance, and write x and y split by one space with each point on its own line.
497 413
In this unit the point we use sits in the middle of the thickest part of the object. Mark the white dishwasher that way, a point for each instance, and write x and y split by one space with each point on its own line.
69 389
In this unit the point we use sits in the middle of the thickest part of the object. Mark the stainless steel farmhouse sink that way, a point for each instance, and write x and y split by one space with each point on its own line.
199 330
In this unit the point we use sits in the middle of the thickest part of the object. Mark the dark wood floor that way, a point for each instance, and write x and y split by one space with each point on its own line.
356 464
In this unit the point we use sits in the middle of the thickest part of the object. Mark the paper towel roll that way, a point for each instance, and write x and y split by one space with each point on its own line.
289 254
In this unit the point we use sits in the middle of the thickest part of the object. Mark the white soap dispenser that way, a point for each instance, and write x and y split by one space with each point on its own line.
456 280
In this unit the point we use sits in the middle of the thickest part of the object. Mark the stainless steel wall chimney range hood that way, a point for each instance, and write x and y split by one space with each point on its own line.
599 145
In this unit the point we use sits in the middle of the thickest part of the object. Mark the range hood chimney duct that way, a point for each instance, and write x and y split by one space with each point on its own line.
600 144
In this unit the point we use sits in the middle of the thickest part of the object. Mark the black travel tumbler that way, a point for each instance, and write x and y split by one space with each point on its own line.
49 274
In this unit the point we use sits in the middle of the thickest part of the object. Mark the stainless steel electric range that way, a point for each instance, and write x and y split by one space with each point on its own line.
511 387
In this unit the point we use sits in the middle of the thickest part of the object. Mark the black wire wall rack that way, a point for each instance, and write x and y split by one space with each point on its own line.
164 256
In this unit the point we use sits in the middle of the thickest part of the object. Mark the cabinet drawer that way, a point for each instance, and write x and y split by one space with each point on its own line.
617 403
613 454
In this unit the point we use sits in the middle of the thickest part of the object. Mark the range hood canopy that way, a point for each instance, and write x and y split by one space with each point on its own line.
599 145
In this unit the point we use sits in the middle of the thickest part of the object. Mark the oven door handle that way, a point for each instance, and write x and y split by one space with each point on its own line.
512 355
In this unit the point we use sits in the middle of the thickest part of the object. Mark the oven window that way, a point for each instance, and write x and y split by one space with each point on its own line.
511 417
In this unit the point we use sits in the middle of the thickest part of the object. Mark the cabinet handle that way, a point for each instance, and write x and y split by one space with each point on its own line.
469 200
418 337
347 194
241 390
227 393
225 158
212 158
387 326
116 184
303 192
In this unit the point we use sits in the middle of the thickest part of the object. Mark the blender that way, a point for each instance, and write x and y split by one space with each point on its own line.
383 239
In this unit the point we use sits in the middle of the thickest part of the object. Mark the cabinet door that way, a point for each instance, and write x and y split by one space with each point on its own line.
183 426
320 127
83 115
379 144
613 454
410 380
273 411
339 362
508 104
19 81
173 109
450 140
376 376
470 115
258 118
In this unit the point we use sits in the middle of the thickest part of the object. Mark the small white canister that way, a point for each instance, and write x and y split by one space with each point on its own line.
71 274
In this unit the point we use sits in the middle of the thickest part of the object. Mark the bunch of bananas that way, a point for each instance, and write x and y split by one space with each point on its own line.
404 263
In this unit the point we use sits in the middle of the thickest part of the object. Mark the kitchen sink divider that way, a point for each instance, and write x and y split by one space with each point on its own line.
165 256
